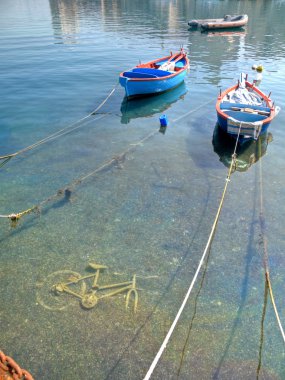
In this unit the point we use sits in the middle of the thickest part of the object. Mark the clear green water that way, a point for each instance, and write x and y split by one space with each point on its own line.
149 214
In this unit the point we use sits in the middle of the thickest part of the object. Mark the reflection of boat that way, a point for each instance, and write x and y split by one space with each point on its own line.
228 33
156 76
148 107
247 154
245 111
220 23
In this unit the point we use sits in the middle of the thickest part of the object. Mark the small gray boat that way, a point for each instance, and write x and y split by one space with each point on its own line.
220 23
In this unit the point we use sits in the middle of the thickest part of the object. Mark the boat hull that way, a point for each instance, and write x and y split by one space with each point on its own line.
223 124
223 25
228 22
139 88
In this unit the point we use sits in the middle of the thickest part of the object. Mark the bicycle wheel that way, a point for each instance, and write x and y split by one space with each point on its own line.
52 300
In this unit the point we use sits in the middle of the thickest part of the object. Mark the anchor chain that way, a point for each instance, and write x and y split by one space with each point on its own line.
10 370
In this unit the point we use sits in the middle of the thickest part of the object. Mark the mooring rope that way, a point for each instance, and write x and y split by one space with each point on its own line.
265 297
192 111
274 305
211 236
265 251
74 126
69 128
5 160
66 191
193 316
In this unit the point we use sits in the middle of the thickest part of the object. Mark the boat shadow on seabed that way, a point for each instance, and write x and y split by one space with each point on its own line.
247 154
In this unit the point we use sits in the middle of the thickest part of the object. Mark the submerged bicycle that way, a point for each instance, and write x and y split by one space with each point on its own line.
75 286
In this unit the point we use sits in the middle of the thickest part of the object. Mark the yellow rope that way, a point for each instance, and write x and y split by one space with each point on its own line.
274 305
265 251
210 239
15 217
59 133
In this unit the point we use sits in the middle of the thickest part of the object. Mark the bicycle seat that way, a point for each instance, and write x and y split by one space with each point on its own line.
96 266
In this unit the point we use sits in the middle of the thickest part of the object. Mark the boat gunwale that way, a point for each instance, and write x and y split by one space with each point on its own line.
176 73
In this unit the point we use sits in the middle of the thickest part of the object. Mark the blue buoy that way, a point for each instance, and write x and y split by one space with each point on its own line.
163 121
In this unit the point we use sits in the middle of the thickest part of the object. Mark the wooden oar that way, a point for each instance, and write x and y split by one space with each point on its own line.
178 58
165 66
170 60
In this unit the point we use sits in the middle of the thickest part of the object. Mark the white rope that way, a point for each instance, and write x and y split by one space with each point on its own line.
192 111
69 128
164 344
174 323
265 253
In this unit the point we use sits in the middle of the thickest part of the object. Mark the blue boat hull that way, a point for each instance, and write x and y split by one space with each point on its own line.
223 124
136 88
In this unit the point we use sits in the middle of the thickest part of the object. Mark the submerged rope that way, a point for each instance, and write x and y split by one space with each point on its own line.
274 305
210 239
74 126
5 160
265 251
262 329
66 191
61 132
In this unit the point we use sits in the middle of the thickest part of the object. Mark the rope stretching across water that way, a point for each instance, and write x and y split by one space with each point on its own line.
75 126
192 111
211 236
66 191
59 133
210 239
265 251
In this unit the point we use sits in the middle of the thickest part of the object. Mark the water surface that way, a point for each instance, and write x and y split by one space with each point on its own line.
148 212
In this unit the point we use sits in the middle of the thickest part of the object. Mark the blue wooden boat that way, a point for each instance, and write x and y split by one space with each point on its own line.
155 77
245 111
